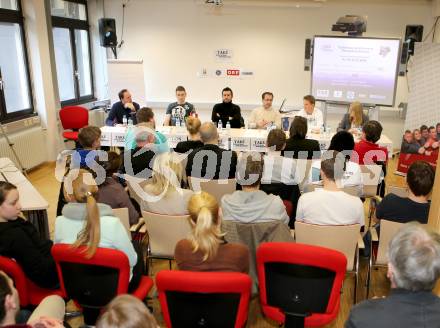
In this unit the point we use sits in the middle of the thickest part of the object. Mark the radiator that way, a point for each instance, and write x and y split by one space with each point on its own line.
29 144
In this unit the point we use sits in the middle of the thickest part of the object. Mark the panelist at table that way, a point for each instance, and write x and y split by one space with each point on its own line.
354 120
313 115
227 111
125 107
264 116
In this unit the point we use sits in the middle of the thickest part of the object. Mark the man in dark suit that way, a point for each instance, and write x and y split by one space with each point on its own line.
211 161
226 111
125 107
297 146
413 269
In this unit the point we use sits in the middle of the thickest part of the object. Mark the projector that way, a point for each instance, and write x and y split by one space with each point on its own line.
352 24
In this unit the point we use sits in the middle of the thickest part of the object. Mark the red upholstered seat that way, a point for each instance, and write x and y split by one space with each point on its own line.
30 294
70 135
216 299
73 118
289 269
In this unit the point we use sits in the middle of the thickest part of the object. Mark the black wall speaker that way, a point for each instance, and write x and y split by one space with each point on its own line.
107 32
308 55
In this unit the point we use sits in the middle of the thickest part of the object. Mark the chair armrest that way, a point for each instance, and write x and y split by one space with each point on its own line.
292 232
136 226
374 236
361 244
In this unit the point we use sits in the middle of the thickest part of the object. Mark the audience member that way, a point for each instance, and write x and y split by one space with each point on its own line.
20 240
139 160
431 143
226 111
146 115
418 138
179 110
297 146
165 195
425 133
420 180
312 115
437 127
48 314
211 161
126 311
86 222
354 120
330 205
409 144
111 192
193 126
252 205
265 116
206 249
413 270
124 108
367 149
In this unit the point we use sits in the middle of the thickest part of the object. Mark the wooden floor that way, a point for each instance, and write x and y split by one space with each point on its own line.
43 178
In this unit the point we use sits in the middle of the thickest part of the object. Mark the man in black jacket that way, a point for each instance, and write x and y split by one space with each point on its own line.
413 269
227 111
211 161
125 107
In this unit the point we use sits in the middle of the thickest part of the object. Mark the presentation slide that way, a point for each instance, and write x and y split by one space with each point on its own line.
346 69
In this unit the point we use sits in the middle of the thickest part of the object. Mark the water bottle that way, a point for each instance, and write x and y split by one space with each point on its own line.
321 130
228 126
177 121
124 120
130 122
220 125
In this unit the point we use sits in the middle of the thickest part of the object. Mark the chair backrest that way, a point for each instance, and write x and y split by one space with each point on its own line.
342 238
122 214
302 172
387 231
14 271
204 299
135 187
371 175
93 282
74 117
165 231
217 188
300 279
399 191
352 190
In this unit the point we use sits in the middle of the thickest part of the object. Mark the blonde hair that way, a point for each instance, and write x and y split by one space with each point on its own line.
204 219
126 311
90 235
168 173
193 125
356 112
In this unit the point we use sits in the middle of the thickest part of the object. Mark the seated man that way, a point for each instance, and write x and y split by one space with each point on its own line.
419 179
49 313
252 205
145 115
368 151
410 145
265 116
413 269
432 143
330 205
180 110
124 108
313 115
211 161
226 111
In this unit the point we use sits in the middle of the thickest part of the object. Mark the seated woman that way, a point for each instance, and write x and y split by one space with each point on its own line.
20 240
111 192
297 146
85 222
206 249
193 126
164 192
354 120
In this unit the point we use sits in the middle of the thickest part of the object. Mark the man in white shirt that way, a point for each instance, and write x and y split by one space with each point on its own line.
330 205
313 115
265 115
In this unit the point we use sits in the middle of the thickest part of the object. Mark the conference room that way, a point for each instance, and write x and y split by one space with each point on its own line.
219 163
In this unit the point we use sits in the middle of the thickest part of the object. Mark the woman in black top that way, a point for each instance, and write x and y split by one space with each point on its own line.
297 146
20 240
193 142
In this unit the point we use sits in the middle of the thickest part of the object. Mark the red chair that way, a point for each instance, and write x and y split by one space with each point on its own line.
204 299
93 283
300 285
73 118
30 294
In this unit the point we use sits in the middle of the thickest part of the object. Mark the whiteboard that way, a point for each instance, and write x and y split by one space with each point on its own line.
126 74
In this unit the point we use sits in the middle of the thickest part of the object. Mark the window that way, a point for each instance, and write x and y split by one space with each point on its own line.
72 51
15 91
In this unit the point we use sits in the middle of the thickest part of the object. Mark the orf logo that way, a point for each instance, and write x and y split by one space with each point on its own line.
233 72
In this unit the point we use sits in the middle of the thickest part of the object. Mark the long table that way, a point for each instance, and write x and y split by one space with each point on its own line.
232 139
34 206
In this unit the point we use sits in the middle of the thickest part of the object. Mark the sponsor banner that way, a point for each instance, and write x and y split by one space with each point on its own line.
118 139
223 141
173 140
258 144
106 138
240 143
405 160
246 74
223 55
